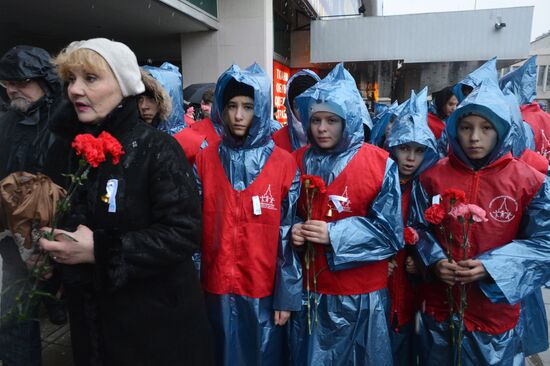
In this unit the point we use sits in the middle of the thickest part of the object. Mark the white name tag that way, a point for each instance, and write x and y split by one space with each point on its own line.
112 187
256 208
436 199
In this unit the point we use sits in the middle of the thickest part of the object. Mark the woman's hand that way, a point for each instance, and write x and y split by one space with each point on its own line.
281 317
446 271
67 251
316 231
470 270
297 236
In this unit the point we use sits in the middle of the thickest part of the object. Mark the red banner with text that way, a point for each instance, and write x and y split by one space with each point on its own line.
281 73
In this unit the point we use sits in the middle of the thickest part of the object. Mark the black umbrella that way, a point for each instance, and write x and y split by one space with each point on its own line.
193 93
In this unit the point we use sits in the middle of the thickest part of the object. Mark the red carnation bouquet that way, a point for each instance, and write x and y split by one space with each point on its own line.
311 185
93 151
454 208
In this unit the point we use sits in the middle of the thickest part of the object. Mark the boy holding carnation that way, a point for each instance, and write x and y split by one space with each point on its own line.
512 216
354 227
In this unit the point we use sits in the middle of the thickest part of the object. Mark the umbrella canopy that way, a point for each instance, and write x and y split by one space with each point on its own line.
193 93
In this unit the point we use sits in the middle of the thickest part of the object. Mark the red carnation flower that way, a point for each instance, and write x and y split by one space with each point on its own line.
454 195
90 147
313 182
434 214
111 146
411 236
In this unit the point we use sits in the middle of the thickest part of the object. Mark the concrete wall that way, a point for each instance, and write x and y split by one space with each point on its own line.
244 36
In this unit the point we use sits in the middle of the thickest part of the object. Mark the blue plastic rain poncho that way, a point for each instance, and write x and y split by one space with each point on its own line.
510 277
298 137
351 329
409 127
380 121
522 82
243 326
483 74
171 80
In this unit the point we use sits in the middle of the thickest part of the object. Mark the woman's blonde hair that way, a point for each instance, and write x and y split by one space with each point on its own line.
86 58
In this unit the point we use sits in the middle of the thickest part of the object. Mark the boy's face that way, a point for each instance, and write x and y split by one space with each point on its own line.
326 129
476 136
409 157
239 113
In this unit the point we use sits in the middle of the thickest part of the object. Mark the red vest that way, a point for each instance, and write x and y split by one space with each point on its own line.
206 128
503 189
190 142
539 120
534 160
436 125
360 181
400 287
239 248
281 138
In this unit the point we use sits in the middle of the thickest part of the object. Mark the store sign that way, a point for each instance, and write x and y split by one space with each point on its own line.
281 73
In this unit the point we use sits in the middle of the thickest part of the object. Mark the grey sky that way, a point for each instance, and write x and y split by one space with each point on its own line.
541 17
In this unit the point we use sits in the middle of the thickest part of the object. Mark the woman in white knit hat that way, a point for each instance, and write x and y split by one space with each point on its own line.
133 294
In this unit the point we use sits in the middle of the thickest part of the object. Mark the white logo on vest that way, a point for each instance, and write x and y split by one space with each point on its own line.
503 208
266 200
346 206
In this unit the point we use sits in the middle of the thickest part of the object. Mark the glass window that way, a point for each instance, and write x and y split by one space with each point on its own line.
547 88
540 75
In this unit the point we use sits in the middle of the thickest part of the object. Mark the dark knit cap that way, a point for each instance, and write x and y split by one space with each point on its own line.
235 88
299 85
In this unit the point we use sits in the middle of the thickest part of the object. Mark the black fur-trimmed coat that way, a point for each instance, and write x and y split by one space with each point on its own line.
141 302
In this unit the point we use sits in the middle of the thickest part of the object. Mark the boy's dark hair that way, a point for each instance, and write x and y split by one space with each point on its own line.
208 96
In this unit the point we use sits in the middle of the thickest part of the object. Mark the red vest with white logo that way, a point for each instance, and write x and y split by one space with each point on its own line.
360 181
503 189
239 247
539 121
281 138
206 128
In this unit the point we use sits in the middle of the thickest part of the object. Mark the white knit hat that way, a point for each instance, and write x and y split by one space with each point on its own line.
122 61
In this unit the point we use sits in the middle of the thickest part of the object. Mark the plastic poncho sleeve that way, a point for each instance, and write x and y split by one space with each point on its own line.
519 268
358 240
427 247
287 294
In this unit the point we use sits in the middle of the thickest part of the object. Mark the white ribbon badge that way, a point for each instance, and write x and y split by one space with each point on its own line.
112 187
335 199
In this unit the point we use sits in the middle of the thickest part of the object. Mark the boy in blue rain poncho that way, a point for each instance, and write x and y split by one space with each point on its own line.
250 274
502 250
486 73
356 226
412 145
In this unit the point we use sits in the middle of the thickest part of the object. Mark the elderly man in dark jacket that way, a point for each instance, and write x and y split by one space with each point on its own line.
31 89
